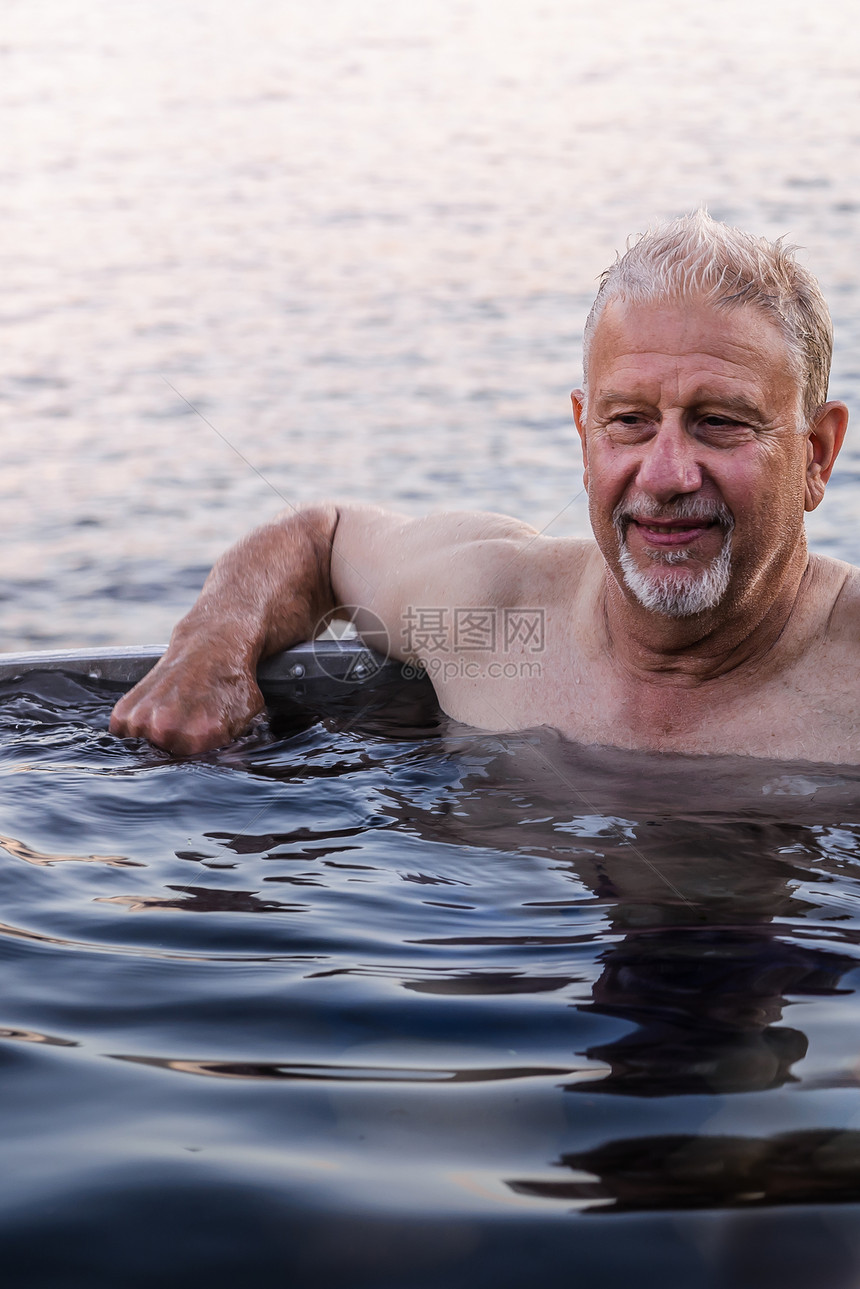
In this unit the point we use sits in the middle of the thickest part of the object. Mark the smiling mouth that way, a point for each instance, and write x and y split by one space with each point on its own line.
671 532
673 526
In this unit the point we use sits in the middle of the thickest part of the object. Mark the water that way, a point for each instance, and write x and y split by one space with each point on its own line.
372 999
360 241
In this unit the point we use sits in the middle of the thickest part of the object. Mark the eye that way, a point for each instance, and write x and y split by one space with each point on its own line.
630 427
630 420
723 430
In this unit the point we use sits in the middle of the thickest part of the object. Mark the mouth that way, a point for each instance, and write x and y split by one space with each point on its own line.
671 532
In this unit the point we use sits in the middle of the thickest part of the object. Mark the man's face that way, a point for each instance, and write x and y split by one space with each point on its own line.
694 464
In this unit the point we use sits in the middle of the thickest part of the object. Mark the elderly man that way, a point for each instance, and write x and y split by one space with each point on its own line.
696 622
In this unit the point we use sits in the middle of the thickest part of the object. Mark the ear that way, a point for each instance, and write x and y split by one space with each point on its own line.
822 448
577 399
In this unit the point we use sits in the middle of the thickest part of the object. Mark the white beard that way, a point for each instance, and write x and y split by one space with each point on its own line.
677 594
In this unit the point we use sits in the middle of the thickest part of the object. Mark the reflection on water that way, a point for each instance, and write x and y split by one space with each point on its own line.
524 1003
683 1172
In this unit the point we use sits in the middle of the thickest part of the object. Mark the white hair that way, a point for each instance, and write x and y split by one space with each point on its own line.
695 256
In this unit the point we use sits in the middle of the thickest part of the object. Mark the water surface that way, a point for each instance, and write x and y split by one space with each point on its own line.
372 999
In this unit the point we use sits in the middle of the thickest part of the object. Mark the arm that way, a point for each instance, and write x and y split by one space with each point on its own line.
266 593
273 589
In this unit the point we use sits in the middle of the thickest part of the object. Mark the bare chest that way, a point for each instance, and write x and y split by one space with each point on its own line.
805 712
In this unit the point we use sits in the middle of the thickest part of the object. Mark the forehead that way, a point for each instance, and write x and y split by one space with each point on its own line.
687 342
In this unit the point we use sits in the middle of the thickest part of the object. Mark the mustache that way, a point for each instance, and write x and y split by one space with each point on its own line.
704 509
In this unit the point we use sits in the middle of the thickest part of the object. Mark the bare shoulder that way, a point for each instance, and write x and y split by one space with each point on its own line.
518 564
837 586
474 556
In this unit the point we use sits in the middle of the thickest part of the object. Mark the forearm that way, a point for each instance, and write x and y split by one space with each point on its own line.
269 591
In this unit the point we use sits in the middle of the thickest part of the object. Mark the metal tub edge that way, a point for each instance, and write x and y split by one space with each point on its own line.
319 666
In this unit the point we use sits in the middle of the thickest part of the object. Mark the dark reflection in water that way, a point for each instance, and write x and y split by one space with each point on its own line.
707 1006
684 1172
535 1006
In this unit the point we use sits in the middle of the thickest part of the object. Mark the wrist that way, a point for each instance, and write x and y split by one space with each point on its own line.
228 637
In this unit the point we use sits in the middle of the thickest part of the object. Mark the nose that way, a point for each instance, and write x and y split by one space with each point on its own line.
669 466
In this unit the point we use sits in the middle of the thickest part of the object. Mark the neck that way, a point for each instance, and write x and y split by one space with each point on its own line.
742 633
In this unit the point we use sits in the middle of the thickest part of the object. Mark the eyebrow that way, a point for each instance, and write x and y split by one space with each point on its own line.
701 398
729 402
610 398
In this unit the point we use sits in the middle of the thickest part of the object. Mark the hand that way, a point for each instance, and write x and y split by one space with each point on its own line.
193 700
